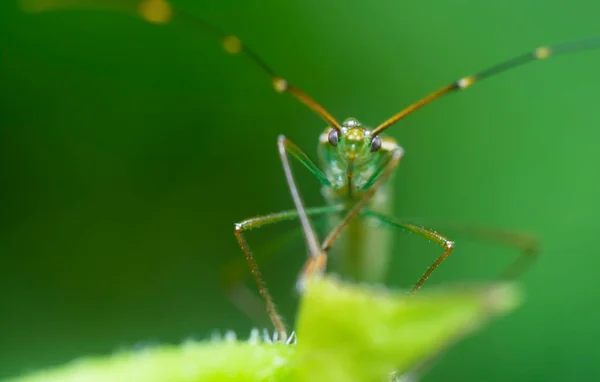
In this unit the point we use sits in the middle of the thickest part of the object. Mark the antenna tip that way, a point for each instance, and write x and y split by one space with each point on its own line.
155 11
232 45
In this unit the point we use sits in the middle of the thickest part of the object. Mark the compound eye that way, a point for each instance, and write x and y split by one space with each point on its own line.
333 137
375 143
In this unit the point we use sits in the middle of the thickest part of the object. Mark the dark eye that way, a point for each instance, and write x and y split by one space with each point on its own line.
333 137
375 144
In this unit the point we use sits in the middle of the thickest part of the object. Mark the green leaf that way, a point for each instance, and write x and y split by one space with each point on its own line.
355 332
193 361
345 332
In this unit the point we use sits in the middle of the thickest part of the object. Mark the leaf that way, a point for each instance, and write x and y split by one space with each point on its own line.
193 361
345 333
354 332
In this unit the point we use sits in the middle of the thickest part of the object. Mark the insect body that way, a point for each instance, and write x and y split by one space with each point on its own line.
356 165
352 163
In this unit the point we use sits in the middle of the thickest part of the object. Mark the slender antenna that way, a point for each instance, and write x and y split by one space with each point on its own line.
162 12
233 45
465 82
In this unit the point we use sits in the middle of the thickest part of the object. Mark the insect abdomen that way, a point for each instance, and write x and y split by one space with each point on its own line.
362 251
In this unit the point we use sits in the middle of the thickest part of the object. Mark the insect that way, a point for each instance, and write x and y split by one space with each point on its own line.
356 165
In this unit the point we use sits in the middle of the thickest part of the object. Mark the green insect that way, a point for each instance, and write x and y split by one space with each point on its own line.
356 165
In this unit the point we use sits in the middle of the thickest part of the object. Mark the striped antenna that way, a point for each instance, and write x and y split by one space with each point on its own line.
465 82
162 12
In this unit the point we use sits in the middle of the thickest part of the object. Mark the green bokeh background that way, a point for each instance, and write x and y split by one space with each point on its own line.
127 152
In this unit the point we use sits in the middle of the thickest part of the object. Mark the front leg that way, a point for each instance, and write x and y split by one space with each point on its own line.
284 146
317 262
237 292
426 233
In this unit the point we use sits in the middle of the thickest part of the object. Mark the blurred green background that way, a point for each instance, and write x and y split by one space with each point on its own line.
128 150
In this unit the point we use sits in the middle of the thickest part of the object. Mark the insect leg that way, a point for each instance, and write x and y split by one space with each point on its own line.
238 293
428 234
527 245
318 258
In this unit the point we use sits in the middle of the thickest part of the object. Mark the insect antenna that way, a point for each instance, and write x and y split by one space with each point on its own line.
233 45
465 82
162 12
